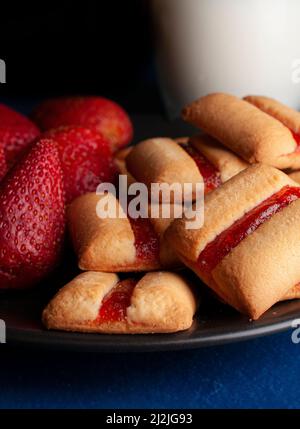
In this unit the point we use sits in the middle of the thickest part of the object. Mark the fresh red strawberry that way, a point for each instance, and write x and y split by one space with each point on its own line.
99 113
86 159
3 164
32 217
16 133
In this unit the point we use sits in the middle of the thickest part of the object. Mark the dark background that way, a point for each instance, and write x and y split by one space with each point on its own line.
90 47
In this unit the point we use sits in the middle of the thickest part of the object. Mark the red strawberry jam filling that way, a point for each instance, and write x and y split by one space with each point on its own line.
146 240
211 175
297 140
114 305
215 251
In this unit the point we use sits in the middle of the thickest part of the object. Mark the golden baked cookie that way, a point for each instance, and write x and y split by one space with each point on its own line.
293 293
248 249
100 302
119 244
245 129
295 175
286 115
197 160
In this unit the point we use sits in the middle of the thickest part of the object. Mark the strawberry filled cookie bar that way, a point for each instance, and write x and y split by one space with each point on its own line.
257 129
100 302
120 243
284 114
196 160
248 250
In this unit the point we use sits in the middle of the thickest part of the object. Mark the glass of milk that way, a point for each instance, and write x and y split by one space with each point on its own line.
237 46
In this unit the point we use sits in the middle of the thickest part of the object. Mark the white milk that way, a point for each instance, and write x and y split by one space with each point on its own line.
237 46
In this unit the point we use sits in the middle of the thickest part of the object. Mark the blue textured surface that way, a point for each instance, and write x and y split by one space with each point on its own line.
260 373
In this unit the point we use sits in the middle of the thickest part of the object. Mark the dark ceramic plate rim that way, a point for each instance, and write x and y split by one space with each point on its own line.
105 343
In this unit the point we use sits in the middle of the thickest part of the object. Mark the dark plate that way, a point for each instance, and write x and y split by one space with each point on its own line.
215 323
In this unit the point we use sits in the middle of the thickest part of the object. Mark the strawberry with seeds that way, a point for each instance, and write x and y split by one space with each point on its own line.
86 159
98 113
16 133
32 217
3 164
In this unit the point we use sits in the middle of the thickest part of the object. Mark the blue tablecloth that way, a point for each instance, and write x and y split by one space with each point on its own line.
260 373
